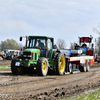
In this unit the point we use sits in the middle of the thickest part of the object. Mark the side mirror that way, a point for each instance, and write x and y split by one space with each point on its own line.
20 38
55 46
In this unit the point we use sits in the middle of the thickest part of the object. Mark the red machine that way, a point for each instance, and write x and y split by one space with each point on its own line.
98 59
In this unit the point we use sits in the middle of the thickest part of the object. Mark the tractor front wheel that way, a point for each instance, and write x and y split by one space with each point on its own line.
42 66
70 69
16 70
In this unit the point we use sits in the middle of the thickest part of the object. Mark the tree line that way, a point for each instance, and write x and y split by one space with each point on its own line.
97 40
10 44
61 44
13 44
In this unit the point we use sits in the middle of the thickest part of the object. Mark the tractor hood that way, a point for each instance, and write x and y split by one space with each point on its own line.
32 50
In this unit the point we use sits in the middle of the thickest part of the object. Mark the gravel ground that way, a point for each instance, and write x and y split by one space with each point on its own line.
50 87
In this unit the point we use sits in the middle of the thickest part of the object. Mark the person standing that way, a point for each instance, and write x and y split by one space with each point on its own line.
84 45
21 51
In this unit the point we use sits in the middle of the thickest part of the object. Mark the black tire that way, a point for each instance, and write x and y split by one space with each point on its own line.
51 72
60 64
88 66
83 68
29 70
16 70
70 70
42 67
54 55
55 58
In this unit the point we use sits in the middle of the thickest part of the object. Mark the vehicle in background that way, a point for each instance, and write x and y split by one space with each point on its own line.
10 50
10 54
97 59
2 55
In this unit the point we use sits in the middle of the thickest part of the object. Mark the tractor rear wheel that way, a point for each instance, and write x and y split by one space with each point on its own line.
16 70
42 66
70 69
88 66
60 64
83 68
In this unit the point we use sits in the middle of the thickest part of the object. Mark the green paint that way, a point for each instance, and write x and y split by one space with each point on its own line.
51 61
30 62
32 50
40 36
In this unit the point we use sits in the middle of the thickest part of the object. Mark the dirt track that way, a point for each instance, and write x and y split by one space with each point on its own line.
32 87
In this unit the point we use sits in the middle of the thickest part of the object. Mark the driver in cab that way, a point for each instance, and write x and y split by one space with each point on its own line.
40 44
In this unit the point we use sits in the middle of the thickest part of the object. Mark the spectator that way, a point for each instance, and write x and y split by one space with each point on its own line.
84 45
76 46
92 46
21 51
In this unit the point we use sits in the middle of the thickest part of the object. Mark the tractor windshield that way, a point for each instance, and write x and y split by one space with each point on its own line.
37 43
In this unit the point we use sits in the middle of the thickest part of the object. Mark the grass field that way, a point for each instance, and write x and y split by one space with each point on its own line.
92 96
4 64
4 67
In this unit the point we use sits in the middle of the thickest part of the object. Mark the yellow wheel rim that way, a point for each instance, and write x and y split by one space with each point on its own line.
62 64
44 67
19 69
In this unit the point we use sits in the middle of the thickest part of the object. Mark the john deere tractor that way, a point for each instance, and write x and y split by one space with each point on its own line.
41 55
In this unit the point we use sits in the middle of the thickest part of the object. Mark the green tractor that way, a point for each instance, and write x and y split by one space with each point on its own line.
40 55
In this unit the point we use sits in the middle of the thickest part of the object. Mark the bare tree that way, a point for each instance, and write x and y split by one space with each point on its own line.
97 30
61 43
97 41
96 48
20 45
72 45
97 45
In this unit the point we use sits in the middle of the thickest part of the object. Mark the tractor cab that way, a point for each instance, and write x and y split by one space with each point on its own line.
86 45
40 56
43 43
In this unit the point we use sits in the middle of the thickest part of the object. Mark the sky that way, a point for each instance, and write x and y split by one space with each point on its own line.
64 19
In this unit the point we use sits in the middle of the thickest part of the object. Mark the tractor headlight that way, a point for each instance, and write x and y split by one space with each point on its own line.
26 59
29 64
29 55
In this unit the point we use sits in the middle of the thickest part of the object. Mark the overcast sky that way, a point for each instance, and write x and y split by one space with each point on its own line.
65 19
